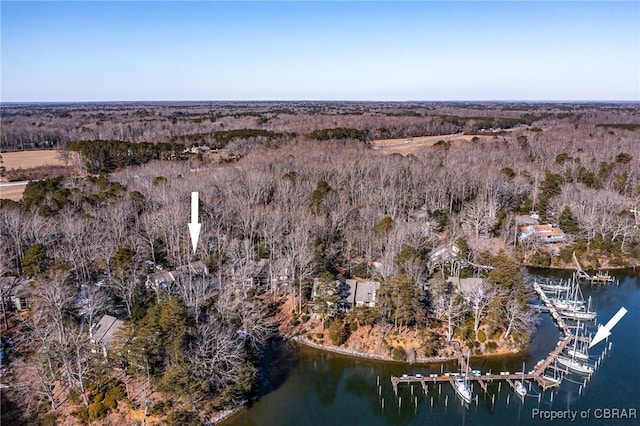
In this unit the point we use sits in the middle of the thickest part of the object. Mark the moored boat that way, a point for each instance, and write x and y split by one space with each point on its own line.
575 365
519 388
463 389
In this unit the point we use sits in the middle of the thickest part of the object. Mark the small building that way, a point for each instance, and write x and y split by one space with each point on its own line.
279 272
160 280
546 233
104 332
250 272
464 285
194 268
361 293
18 290
352 293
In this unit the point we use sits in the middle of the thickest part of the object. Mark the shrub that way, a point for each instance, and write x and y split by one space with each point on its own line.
482 336
491 347
294 319
399 354
337 332
82 414
97 410
181 418
74 398
320 335
112 397
49 419
541 259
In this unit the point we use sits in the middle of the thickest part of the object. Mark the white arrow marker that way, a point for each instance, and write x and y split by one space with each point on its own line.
604 331
194 226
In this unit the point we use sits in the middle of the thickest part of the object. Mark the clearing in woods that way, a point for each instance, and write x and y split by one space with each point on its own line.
412 145
30 159
25 160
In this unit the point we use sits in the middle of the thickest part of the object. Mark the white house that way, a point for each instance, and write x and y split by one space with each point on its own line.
546 233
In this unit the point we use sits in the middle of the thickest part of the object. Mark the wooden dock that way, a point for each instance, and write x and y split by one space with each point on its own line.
537 374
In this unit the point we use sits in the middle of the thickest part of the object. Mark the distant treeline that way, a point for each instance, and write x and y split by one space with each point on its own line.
104 156
620 126
474 124
339 133
222 138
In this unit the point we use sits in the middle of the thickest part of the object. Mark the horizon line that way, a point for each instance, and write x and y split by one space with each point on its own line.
256 101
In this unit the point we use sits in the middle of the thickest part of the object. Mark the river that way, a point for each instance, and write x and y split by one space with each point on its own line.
311 387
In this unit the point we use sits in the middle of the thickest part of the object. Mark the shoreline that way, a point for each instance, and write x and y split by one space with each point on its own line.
419 360
560 268
226 414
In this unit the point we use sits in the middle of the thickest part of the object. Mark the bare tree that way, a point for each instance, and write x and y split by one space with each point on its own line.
217 355
519 317
478 296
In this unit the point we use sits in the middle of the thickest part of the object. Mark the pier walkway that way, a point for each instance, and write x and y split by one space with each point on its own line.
537 374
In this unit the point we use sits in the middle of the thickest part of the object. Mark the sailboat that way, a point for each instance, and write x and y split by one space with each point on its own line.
578 353
462 386
519 385
554 287
575 365
580 314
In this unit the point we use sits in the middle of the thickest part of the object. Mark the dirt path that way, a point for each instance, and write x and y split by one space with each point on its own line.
12 190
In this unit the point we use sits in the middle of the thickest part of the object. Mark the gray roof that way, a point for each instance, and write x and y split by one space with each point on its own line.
197 267
19 287
106 329
162 277
362 291
464 284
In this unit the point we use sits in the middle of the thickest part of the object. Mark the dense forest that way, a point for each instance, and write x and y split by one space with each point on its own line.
305 194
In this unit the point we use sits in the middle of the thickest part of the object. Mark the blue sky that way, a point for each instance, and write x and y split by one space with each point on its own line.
111 51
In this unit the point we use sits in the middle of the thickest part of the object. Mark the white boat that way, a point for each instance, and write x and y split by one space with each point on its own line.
463 389
578 315
568 304
575 365
554 287
576 354
520 389
462 386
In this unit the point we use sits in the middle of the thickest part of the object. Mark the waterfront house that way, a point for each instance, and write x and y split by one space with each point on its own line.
546 233
103 333
361 293
464 285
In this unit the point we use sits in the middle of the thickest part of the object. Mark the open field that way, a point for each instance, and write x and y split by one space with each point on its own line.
12 190
30 159
411 145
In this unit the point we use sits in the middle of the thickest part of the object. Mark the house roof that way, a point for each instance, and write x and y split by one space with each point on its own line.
251 268
543 229
162 277
362 291
197 267
464 284
19 287
106 329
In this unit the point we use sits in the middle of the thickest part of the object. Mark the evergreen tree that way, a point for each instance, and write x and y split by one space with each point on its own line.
568 222
34 262
326 296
